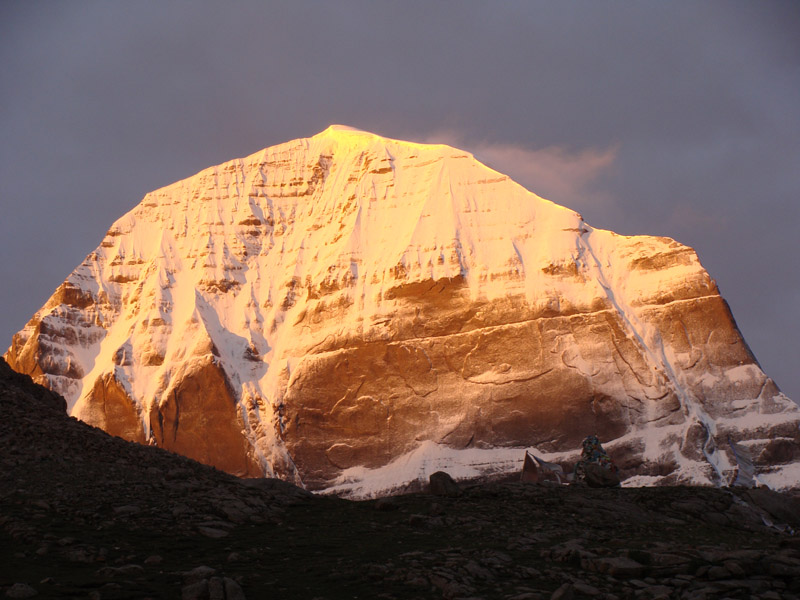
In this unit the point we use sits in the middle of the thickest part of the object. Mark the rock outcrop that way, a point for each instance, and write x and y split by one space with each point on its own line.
353 313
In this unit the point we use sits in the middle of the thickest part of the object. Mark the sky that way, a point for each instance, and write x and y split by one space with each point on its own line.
678 119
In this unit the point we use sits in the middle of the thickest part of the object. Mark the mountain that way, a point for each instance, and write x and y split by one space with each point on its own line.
352 313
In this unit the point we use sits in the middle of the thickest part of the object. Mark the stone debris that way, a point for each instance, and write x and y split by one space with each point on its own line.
212 532
565 592
195 591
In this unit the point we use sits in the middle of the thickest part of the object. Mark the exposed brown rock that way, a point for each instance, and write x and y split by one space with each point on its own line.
198 419
109 407
518 384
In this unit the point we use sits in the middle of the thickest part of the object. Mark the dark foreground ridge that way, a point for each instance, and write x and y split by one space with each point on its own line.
86 515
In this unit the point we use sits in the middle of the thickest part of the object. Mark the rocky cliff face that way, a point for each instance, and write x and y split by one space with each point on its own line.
352 313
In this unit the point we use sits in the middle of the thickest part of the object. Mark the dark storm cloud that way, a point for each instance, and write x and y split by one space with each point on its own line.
677 119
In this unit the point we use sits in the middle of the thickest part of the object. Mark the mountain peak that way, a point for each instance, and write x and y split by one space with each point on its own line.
354 137
344 129
346 136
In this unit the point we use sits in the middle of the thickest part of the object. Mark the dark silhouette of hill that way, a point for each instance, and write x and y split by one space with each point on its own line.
87 515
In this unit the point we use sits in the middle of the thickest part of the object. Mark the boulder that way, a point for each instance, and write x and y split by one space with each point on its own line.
441 484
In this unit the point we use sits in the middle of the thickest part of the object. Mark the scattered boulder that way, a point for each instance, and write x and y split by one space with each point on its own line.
213 532
565 592
616 566
195 591
198 574
216 589
233 591
441 484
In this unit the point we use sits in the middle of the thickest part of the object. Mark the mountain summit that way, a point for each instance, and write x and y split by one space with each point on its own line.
352 313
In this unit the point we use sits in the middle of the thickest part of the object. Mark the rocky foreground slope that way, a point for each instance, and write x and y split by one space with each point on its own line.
87 515
352 313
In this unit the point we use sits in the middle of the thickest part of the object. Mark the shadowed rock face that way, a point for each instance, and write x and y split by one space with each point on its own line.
111 408
199 419
352 313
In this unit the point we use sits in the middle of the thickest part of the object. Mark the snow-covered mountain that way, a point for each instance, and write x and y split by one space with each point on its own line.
352 313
